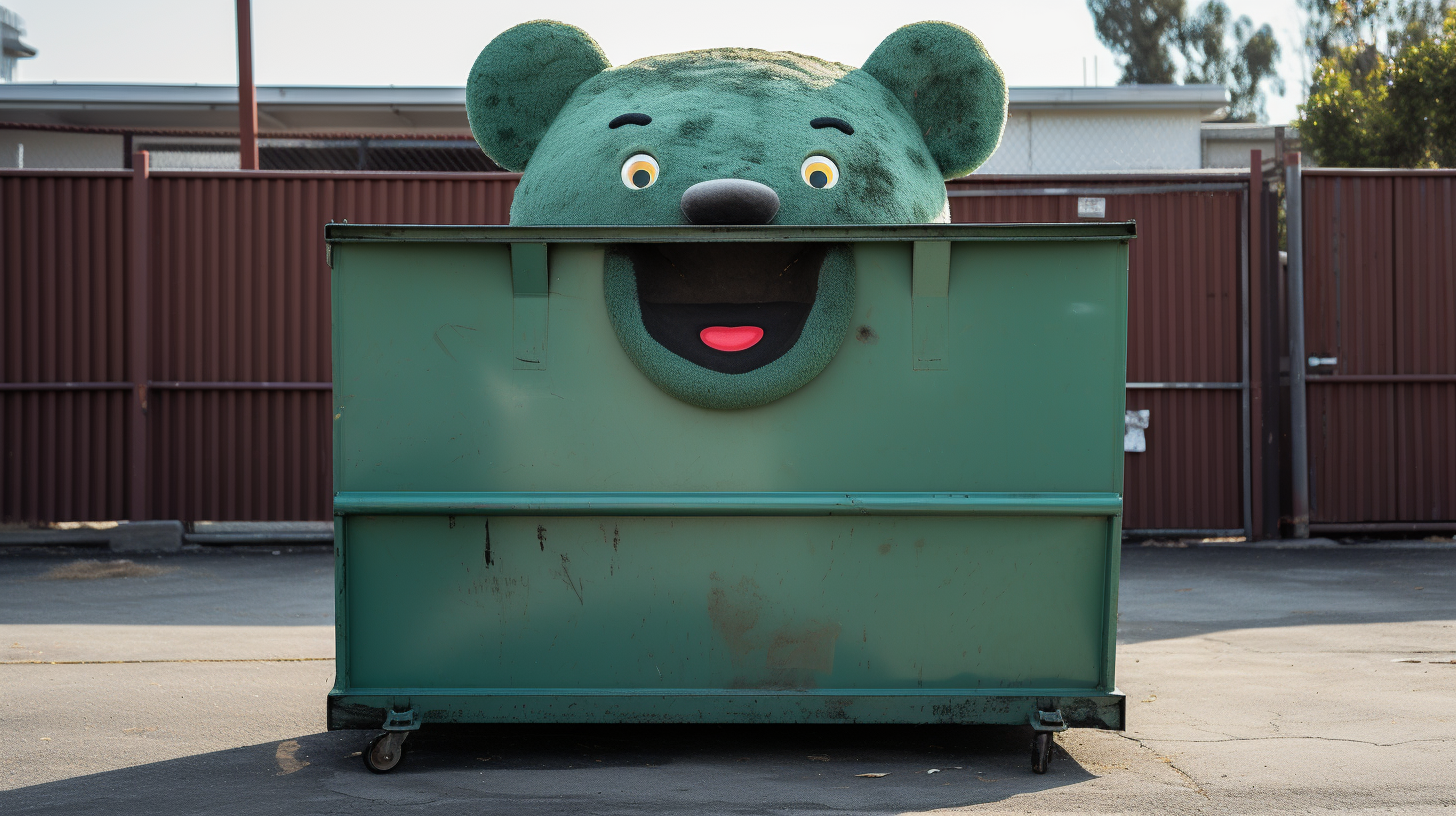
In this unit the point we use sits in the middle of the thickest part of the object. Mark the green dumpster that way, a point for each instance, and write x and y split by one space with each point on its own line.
528 530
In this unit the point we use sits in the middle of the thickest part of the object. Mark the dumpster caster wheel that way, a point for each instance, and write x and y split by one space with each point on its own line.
1041 751
385 752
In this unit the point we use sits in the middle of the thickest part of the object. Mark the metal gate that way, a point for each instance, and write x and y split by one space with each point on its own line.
1191 357
1379 367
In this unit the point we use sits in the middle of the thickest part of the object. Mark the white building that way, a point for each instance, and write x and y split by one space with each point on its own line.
1119 129
1116 129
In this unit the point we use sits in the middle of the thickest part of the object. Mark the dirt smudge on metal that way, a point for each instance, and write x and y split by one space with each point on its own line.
734 610
810 646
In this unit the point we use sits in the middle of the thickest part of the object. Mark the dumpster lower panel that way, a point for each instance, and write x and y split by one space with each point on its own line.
718 619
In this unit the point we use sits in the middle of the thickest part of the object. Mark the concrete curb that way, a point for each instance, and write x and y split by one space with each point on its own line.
1295 544
170 536
126 536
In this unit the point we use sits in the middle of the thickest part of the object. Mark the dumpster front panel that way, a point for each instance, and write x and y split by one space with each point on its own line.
531 531
1029 398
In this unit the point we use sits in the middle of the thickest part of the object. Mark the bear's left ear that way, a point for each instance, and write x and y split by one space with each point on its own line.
943 76
521 80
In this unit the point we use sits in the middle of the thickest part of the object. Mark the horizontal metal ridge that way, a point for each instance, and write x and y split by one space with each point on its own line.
728 504
1105 190
1009 692
1089 231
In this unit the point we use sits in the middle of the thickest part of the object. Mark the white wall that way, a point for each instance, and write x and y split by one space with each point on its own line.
53 149
1054 141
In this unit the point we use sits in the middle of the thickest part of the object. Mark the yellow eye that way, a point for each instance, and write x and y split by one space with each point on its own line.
639 172
820 172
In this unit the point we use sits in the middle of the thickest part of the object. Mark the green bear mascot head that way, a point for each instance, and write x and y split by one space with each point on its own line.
733 136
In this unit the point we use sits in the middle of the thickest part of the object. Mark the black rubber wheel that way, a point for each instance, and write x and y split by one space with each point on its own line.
1041 751
376 760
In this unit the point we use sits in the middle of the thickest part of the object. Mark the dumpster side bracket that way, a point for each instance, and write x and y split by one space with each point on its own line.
1047 720
930 304
529 284
401 720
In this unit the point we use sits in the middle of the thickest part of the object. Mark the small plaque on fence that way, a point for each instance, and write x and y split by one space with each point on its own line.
1091 208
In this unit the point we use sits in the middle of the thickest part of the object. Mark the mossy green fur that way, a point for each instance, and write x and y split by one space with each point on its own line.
948 83
929 105
521 81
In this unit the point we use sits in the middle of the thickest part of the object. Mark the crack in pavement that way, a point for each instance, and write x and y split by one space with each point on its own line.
1253 650
1192 783
1293 737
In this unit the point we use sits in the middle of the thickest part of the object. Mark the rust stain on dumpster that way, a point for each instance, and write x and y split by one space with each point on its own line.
807 647
734 611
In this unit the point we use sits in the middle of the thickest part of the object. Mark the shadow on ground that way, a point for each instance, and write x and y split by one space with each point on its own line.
215 587
593 769
1173 593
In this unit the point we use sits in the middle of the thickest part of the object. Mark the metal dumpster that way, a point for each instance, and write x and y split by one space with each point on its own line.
527 530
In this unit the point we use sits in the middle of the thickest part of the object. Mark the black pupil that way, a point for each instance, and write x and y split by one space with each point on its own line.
641 179
818 178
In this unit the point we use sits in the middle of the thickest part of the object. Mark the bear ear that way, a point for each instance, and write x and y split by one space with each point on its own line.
520 82
943 76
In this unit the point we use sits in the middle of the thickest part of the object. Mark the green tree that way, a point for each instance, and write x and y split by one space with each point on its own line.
1160 41
1367 109
1332 26
1145 33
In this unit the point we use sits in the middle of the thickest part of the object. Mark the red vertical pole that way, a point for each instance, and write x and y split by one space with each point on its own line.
1255 248
247 93
139 336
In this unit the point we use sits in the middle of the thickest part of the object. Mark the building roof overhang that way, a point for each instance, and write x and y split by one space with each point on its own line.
438 109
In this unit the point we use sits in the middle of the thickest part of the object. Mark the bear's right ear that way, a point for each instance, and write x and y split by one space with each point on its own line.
520 82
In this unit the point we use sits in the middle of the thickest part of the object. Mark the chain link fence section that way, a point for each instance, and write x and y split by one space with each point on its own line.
1061 142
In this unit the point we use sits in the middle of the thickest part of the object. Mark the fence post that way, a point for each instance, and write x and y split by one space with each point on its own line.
139 335
1254 344
1298 411
247 92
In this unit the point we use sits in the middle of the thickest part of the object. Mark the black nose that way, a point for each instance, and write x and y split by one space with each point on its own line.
730 201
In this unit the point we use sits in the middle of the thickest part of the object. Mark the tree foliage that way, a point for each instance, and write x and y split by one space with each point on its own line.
1394 106
1335 25
1161 41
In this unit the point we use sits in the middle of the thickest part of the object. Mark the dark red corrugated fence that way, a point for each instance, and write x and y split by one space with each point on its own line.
1380 298
1185 354
233 363
236 360
63 246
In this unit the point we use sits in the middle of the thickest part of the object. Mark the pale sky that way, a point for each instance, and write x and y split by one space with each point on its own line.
433 42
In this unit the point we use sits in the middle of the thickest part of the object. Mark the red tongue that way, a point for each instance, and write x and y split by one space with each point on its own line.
731 338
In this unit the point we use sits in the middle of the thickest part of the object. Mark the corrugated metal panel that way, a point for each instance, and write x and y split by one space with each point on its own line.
1183 326
64 252
1380 296
1189 476
1425 343
239 296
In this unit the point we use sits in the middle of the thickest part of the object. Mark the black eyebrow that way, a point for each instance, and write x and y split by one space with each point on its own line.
830 121
630 119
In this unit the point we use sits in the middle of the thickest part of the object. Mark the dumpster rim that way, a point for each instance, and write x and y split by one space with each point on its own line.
513 503
600 234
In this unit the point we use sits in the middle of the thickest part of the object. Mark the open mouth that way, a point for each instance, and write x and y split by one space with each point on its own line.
727 307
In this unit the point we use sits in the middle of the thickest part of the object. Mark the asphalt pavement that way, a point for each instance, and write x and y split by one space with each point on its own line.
1259 680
